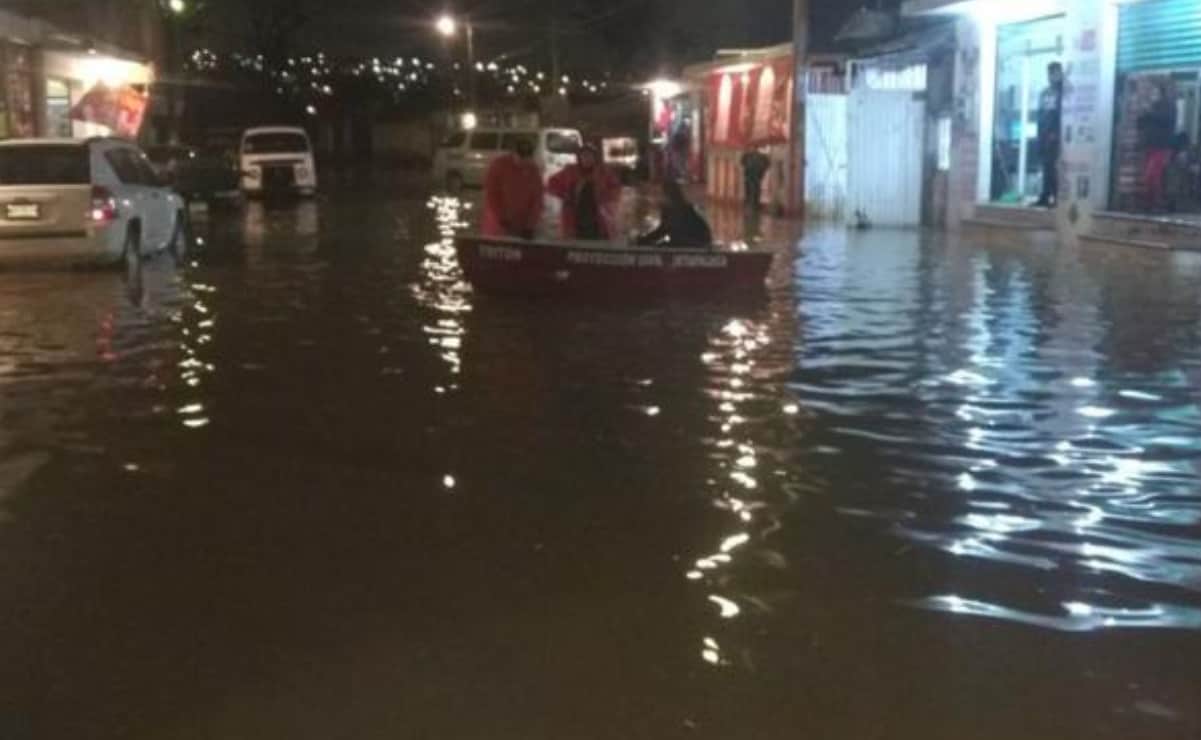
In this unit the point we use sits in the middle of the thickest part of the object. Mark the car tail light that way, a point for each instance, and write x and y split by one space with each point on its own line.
104 206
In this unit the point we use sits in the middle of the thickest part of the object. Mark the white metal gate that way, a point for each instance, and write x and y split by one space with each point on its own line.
885 137
825 156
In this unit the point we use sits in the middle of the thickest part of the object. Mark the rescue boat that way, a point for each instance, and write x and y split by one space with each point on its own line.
537 267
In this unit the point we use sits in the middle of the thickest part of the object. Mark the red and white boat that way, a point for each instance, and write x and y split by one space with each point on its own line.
501 265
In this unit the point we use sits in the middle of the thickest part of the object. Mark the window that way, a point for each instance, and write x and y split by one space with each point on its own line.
146 173
562 142
44 165
124 164
455 140
485 141
276 143
58 108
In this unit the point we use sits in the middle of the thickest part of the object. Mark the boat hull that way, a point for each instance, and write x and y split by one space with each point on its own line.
498 265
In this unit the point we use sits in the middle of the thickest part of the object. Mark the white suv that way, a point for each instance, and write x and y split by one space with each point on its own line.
74 201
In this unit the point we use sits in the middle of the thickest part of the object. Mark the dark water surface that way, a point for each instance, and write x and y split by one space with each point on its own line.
313 487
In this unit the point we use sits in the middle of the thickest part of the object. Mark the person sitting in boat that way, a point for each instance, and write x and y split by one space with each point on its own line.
589 191
680 224
513 193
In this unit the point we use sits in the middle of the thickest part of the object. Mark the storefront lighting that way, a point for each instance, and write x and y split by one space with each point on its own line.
664 88
108 71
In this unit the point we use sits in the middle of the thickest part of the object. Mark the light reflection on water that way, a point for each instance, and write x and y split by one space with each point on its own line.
916 459
1005 432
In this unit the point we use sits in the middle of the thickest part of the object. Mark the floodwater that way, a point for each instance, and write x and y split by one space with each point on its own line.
308 485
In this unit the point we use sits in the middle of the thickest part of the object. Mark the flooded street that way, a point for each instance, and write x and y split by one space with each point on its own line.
309 485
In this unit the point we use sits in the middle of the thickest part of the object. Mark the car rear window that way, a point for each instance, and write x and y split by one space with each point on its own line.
561 142
275 143
44 165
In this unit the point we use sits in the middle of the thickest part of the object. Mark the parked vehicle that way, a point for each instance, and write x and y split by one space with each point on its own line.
464 157
277 160
198 173
621 155
75 201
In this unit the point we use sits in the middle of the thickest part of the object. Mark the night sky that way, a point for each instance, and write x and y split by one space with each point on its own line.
617 35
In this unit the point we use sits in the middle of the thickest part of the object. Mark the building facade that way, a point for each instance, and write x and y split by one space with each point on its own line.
47 69
1130 117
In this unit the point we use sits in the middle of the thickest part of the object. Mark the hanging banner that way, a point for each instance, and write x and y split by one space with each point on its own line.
752 107
121 109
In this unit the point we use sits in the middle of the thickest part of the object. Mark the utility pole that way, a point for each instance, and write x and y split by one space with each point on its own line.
556 68
471 75
800 85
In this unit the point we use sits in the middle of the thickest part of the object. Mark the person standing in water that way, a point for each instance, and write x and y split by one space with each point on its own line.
589 192
755 165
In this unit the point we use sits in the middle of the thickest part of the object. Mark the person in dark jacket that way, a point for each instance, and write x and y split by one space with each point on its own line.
755 165
680 224
1158 129
1050 122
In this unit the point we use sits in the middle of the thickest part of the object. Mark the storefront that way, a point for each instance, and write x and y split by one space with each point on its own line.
92 94
16 90
1157 125
747 103
55 85
1024 50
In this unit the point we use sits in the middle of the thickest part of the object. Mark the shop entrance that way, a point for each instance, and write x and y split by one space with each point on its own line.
1157 126
1024 50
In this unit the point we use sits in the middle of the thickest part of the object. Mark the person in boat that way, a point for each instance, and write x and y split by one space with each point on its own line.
513 193
680 223
589 191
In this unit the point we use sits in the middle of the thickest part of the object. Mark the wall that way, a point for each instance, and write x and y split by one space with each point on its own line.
1088 106
967 139
404 141
826 156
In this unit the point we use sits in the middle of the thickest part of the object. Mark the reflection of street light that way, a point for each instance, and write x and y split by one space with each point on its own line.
448 26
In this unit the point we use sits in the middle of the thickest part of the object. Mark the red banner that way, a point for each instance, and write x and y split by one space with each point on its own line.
751 107
121 109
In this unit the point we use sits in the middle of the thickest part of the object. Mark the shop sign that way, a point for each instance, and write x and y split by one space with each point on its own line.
121 109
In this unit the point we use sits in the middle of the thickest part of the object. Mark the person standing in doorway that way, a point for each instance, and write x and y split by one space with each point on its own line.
755 165
1050 123
1158 129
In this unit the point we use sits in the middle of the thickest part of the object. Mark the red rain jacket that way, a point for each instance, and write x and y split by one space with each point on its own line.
512 197
566 184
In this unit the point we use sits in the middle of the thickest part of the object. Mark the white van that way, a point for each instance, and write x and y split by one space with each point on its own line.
277 160
464 157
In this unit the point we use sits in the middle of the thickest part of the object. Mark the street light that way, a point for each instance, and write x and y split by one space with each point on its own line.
177 6
448 26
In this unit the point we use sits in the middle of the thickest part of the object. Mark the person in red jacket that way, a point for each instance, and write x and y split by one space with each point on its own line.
589 191
513 193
